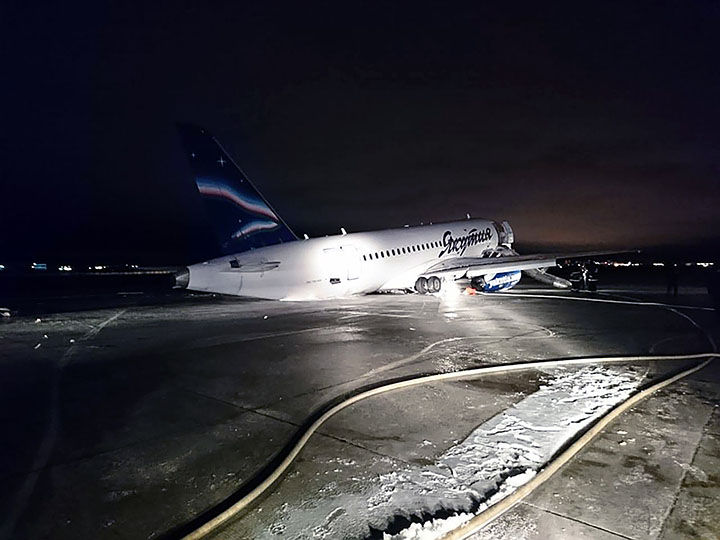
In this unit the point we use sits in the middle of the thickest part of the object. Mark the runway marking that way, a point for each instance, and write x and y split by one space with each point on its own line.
368 314
410 359
599 300
210 524
674 309
201 345
654 346
48 442
629 301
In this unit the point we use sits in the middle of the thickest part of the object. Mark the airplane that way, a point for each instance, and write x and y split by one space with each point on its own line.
262 258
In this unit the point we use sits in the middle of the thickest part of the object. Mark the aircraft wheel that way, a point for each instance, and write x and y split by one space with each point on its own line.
421 285
434 284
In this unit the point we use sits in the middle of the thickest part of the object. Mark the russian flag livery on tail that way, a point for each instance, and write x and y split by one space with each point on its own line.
260 256
241 217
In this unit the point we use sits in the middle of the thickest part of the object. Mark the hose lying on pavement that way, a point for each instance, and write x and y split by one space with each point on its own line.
254 489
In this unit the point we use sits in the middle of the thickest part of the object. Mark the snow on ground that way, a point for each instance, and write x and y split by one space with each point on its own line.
437 528
493 460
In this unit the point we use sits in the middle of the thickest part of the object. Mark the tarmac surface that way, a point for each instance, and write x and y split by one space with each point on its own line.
130 420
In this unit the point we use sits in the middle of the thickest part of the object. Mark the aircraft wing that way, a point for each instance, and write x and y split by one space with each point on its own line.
471 267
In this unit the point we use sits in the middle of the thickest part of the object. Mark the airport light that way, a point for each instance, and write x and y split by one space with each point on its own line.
65 268
38 266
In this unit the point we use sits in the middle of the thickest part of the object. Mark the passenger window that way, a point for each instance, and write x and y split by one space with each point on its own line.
382 254
364 258
393 252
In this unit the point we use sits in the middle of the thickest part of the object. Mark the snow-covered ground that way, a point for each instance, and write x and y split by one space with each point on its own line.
492 461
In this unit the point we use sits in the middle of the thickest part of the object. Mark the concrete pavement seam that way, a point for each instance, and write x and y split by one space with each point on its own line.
684 474
576 520
261 412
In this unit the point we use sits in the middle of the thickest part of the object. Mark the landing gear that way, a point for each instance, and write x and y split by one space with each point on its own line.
585 278
429 285
421 285
478 283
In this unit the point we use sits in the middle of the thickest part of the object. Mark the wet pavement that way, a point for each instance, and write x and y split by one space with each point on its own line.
129 421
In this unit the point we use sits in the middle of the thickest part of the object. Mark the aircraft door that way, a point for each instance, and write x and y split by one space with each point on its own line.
352 261
342 264
335 265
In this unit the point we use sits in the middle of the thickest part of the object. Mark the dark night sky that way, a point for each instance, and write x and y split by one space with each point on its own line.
583 124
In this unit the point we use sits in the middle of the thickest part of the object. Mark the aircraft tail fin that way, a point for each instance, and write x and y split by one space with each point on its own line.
239 214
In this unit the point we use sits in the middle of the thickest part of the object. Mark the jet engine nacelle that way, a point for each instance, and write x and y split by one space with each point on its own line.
497 282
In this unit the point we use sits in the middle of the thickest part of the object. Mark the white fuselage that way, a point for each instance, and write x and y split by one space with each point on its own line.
343 265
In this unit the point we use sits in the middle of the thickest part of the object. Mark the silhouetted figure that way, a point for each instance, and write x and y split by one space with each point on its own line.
673 276
714 287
